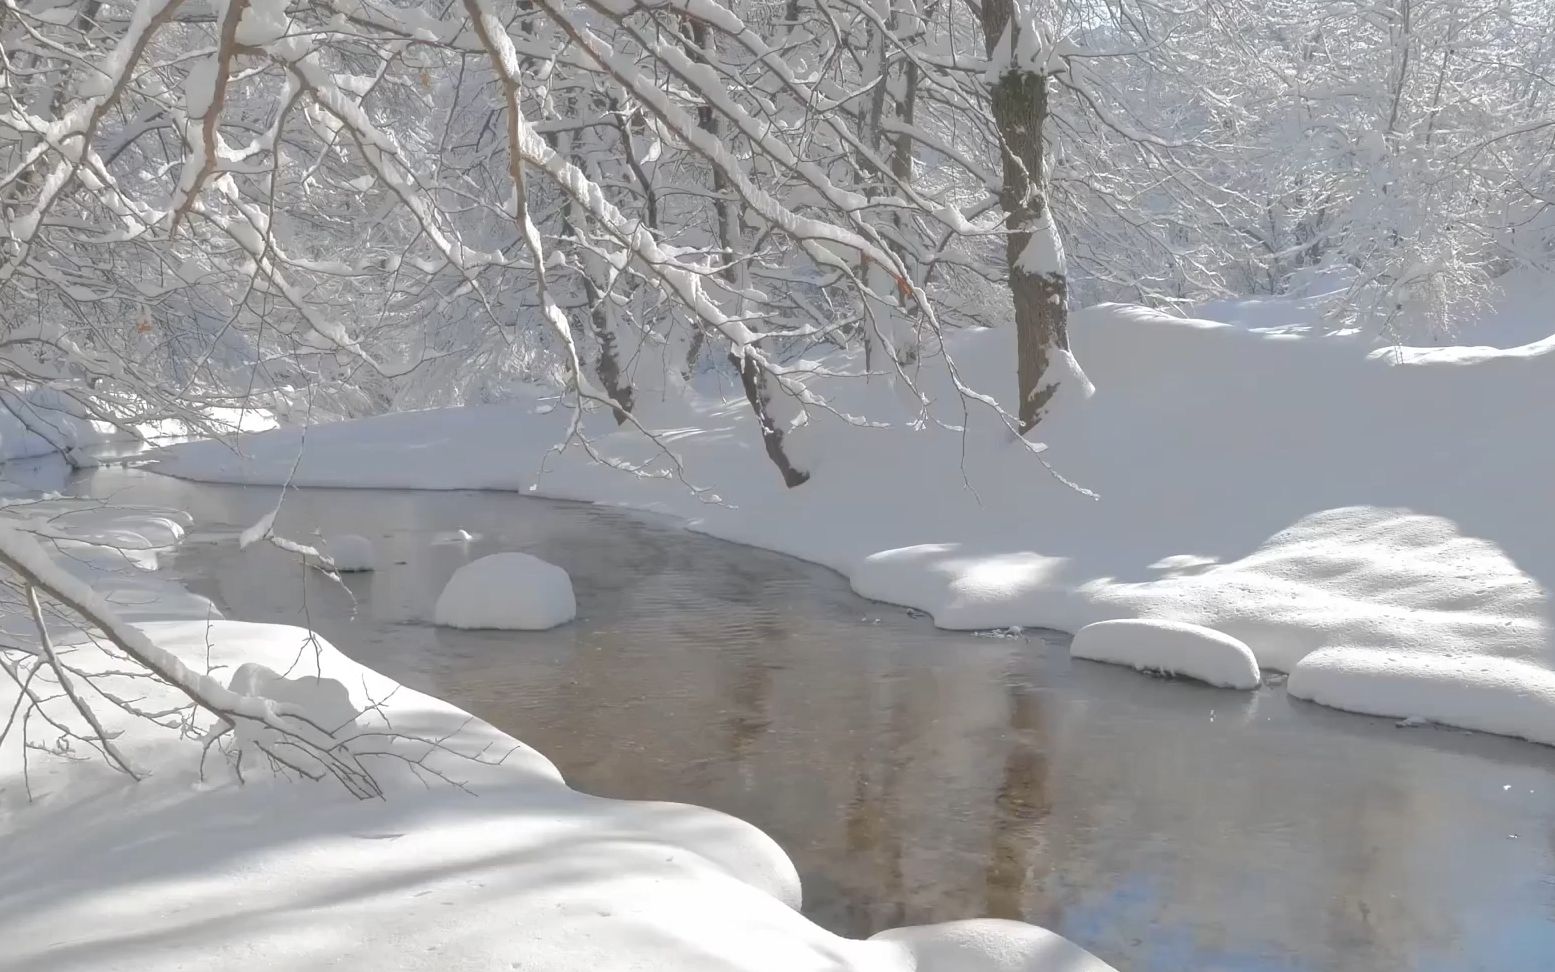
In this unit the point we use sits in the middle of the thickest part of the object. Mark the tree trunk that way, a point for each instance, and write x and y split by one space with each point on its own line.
1037 279
753 379
595 280
895 152
608 365
901 160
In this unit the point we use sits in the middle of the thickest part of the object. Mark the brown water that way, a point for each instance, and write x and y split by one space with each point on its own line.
916 775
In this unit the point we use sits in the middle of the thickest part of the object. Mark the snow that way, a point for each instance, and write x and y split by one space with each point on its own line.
350 552
991 945
514 590
1170 647
259 529
40 421
1044 251
1374 521
1521 311
224 419
510 869
264 22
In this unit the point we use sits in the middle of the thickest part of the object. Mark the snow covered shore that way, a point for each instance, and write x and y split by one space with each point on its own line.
39 422
509 868
1375 522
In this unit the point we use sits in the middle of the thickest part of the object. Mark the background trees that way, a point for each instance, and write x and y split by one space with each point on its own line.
344 206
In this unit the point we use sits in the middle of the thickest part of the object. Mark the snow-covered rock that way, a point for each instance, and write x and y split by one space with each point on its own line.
507 590
1172 647
350 552
326 702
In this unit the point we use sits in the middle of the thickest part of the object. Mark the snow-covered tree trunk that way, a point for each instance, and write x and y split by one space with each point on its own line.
1017 55
886 332
753 379
699 47
595 278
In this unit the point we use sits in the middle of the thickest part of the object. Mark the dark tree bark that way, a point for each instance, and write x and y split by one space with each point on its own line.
753 379
594 274
1020 109
608 365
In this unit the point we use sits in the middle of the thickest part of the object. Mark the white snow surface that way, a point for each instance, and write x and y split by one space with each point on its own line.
992 946
514 870
512 590
1375 522
1521 310
1170 647
40 422
350 552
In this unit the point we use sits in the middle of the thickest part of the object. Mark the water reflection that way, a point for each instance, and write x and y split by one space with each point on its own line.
917 775
1020 807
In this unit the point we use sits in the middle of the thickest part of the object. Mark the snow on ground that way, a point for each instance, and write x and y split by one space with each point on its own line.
1521 310
510 869
40 421
1169 647
349 552
228 420
507 590
1376 522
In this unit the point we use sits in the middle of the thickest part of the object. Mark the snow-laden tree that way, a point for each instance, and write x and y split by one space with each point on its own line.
1392 156
354 205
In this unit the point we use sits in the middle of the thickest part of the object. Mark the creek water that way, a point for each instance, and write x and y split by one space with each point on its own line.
918 775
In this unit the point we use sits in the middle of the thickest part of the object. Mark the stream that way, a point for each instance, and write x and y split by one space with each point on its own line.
917 775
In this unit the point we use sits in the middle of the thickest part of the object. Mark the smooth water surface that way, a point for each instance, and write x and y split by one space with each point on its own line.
916 775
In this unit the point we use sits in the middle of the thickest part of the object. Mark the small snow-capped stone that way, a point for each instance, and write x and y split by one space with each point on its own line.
1173 647
507 590
350 552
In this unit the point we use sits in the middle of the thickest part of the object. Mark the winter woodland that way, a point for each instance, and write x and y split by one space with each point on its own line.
860 233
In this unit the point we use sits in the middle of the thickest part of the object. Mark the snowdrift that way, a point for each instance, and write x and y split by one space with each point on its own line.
1375 522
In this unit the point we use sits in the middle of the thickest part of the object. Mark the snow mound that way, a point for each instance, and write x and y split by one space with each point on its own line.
1503 696
990 945
507 590
325 702
350 552
1173 647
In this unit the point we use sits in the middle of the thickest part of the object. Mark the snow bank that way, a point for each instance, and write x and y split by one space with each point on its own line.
1379 517
509 869
350 552
1171 647
1521 311
507 590
41 422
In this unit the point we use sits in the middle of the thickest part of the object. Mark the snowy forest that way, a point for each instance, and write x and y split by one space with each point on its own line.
975 341
342 209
